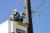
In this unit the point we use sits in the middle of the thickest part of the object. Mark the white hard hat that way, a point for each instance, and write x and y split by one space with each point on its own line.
14 11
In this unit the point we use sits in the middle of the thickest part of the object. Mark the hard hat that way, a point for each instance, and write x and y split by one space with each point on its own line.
15 11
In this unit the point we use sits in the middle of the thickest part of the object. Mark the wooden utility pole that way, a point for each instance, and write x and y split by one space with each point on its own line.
28 15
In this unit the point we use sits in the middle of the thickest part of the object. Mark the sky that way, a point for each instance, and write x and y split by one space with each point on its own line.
40 25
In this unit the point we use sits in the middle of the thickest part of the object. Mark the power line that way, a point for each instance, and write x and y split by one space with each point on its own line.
41 4
35 11
38 8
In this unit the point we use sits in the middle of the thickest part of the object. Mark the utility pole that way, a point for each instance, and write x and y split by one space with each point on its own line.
28 15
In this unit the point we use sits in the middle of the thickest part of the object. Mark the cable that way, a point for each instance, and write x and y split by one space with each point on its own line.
38 7
35 11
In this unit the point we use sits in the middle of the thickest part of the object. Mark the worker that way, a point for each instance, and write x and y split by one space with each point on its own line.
16 16
20 19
